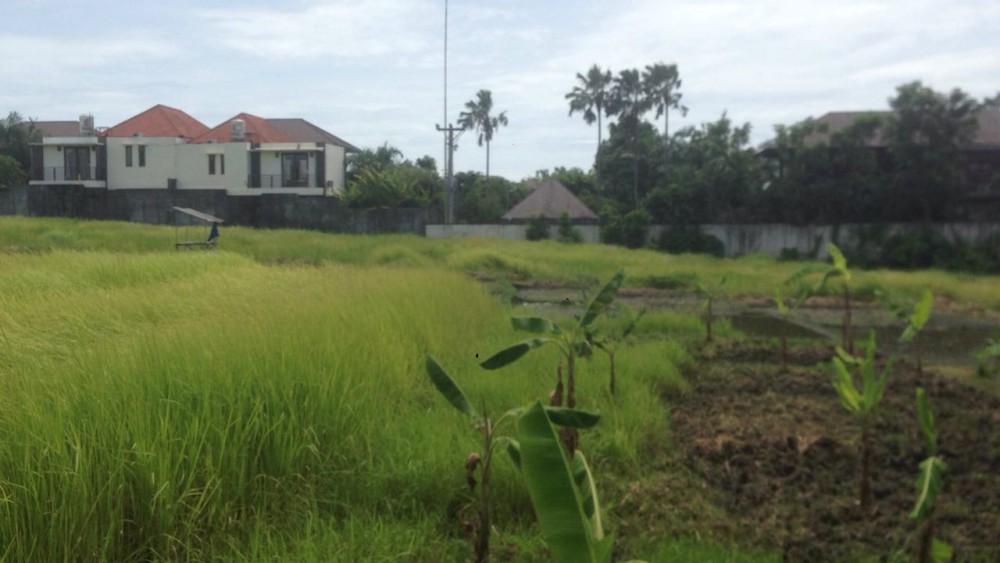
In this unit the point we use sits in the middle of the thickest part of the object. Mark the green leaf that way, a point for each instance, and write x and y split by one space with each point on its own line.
780 302
514 451
603 299
941 551
839 262
554 495
631 325
921 314
536 325
844 385
928 487
573 418
447 386
926 418
847 357
584 480
511 354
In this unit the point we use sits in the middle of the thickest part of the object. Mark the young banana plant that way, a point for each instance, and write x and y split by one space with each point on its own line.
838 268
572 343
988 359
608 343
489 428
562 492
915 317
930 549
862 403
783 311
709 293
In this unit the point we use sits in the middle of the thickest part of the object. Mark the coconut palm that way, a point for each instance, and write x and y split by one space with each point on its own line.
661 82
630 103
591 97
478 116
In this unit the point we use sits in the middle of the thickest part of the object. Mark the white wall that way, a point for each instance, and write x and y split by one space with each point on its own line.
335 168
53 157
161 162
192 170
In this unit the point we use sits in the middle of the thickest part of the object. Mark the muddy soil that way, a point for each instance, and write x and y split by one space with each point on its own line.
777 455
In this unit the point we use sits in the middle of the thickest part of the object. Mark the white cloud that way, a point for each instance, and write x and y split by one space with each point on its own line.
339 29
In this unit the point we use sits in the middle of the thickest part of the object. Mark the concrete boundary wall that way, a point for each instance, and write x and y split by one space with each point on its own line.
752 238
272 211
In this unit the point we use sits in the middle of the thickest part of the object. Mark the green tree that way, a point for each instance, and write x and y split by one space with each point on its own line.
10 172
630 102
479 116
662 82
591 97
16 136
926 133
378 159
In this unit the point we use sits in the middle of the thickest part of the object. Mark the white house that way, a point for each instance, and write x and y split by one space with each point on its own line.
165 148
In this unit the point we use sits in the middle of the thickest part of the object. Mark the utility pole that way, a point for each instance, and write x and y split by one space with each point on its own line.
449 171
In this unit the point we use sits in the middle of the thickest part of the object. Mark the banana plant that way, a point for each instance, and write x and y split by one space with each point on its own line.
988 358
784 310
572 343
608 343
930 549
562 492
838 269
861 403
709 293
915 317
489 428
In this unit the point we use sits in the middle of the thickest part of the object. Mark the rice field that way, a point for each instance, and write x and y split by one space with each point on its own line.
268 401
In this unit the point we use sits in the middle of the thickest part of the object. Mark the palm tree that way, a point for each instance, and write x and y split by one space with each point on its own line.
661 82
478 117
629 102
591 97
16 134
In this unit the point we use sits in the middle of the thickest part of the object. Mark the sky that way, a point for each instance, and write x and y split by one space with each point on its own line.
372 71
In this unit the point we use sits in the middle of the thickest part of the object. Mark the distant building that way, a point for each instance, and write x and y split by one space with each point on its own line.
165 148
551 199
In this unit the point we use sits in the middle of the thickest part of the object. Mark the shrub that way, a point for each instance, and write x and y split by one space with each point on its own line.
679 240
630 230
538 228
567 232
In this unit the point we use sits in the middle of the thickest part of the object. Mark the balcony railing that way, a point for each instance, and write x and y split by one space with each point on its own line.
68 174
280 181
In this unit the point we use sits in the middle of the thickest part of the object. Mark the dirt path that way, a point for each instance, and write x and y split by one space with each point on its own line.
776 453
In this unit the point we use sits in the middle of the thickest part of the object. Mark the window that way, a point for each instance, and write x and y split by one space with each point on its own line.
128 156
294 170
142 155
222 164
211 165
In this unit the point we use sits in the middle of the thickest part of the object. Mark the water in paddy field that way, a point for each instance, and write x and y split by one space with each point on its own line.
945 339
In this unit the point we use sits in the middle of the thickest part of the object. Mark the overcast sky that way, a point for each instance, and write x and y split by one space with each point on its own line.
371 71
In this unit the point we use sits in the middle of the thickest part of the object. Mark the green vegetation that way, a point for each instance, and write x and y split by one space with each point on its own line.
838 269
269 399
862 404
932 468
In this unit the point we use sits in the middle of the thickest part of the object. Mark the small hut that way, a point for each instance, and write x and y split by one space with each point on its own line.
551 199
185 217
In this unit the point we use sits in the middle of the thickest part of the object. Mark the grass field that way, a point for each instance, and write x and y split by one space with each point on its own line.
268 400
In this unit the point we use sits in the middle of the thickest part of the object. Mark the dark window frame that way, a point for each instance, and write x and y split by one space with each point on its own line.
142 156
292 173
128 156
211 165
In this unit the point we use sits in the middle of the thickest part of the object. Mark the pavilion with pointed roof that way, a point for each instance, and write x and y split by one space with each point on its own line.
551 199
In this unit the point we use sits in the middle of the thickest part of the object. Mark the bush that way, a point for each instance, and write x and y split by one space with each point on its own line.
679 240
538 228
10 172
630 229
567 232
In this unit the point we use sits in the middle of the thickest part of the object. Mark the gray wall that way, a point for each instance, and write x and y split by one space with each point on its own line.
747 239
265 210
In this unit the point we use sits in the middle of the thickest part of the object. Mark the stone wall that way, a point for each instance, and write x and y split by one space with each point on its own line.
738 240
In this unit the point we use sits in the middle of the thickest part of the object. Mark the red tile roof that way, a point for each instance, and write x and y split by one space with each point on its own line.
258 130
159 121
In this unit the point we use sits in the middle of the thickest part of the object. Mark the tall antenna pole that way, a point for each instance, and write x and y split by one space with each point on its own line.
444 119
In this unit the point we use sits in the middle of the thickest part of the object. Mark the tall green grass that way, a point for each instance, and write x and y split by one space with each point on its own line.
190 406
583 265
